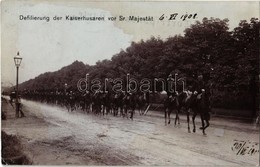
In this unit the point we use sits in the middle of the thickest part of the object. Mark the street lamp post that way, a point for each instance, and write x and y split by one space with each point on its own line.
17 61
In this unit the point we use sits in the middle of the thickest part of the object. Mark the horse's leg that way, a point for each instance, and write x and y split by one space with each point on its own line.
138 109
177 118
202 121
120 111
96 109
169 116
68 107
126 112
71 107
132 113
193 121
108 109
85 107
101 110
207 124
88 108
123 111
115 111
165 116
188 119
111 109
81 106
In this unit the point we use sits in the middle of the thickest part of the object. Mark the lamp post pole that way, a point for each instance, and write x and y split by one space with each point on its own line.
17 61
16 102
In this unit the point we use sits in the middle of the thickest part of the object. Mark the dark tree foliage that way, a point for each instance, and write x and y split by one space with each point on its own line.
55 80
229 61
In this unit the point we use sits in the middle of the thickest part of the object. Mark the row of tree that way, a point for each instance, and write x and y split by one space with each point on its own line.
228 59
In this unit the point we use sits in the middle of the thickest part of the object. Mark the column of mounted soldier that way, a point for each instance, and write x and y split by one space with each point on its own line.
195 99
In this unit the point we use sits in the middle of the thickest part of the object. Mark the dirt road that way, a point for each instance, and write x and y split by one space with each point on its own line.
53 136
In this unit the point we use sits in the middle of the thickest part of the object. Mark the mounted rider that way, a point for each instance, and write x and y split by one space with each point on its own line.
201 88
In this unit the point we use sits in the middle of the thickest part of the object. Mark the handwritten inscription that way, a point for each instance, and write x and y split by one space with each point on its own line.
245 147
176 16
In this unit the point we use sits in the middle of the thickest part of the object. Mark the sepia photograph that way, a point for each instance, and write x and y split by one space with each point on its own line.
130 83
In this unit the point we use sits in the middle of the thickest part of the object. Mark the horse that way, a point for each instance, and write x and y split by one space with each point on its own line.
108 102
82 103
198 104
169 104
71 101
96 103
140 103
87 102
126 102
117 104
105 103
129 104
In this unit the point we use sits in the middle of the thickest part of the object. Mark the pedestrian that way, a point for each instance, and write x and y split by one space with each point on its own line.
20 106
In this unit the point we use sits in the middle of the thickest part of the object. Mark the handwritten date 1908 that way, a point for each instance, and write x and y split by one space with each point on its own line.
176 16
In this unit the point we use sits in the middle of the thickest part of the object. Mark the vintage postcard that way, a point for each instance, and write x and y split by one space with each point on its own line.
130 83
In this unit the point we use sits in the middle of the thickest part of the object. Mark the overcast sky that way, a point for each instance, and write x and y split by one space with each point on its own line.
48 46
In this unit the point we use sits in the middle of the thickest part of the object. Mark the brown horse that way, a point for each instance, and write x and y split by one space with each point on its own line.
169 104
198 104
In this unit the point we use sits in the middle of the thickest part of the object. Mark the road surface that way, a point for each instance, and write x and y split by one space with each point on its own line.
53 136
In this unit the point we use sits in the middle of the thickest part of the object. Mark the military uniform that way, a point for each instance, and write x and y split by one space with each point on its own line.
200 87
